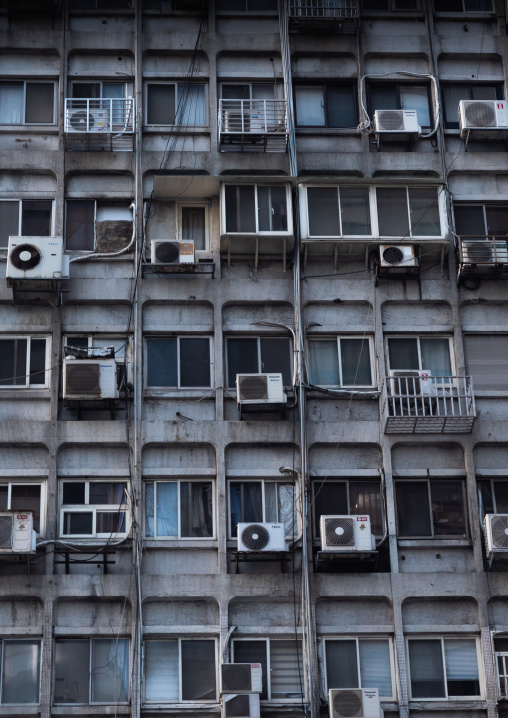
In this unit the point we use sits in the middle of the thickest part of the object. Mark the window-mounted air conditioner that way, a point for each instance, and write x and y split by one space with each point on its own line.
17 534
36 258
354 703
89 379
397 257
484 252
346 533
489 115
84 120
261 537
260 389
241 678
396 122
241 706
496 533
411 382
171 251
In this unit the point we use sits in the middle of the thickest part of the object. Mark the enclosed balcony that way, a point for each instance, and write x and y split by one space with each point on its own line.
331 16
253 126
99 125
485 256
414 402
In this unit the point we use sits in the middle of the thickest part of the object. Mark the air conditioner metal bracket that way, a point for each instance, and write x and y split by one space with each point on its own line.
259 556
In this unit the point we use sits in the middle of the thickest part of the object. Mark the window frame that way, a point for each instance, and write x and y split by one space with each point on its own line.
316 519
442 638
498 86
94 509
366 338
418 337
480 13
397 84
127 85
47 370
394 9
503 655
258 337
492 480
178 337
11 481
97 203
258 232
176 84
434 537
20 213
263 480
30 639
39 81
178 480
179 222
326 85
246 11
357 639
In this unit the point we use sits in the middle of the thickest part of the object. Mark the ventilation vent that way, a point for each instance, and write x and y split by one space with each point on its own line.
5 531
237 706
167 252
83 379
253 388
480 114
236 677
391 120
340 531
255 537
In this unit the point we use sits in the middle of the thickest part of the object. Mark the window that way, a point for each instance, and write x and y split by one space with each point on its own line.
27 103
463 6
167 5
24 496
340 361
338 211
24 362
262 502
501 649
360 663
20 674
249 91
386 5
84 346
258 355
493 496
412 353
99 91
101 4
476 221
325 105
401 96
246 5
179 362
347 497
82 217
281 662
443 668
193 224
431 508
453 93
408 212
175 104
487 361
256 209
94 509
180 670
179 509
91 670
25 218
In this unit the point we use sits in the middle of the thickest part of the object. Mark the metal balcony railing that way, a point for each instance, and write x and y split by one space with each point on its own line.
434 405
100 124
253 125
338 9
488 250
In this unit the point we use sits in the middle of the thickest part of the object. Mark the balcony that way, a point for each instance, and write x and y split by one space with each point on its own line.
335 16
94 125
483 256
253 126
418 403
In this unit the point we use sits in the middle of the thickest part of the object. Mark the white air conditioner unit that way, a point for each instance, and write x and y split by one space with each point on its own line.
346 533
236 121
411 382
83 120
484 252
241 678
36 258
260 389
241 706
261 537
483 115
89 379
171 251
396 122
495 528
16 532
354 703
397 257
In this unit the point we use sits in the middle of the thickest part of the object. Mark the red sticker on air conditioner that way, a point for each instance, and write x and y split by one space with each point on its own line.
362 518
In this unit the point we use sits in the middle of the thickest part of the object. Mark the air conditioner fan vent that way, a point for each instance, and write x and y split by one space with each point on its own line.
391 120
253 387
5 531
347 704
340 532
480 114
255 537
393 255
83 379
26 256
499 527
167 252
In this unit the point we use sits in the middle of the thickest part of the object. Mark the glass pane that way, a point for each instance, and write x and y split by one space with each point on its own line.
235 92
309 106
161 362
27 497
167 508
253 652
161 671
36 218
86 90
37 362
80 225
323 207
196 511
452 95
341 664
286 507
272 209
13 362
424 212
426 665
383 97
329 498
40 100
365 498
110 670
73 493
486 499
392 212
484 92
4 497
11 103
403 354
242 358
469 220
78 523
448 5
9 219
191 105
355 211
107 492
21 672
276 358
149 509
416 97
501 496
462 678
194 226
240 208
198 671
72 671
375 669
246 503
195 362
110 522
286 669
355 362
435 354
160 104
340 107
323 362
448 511
497 220
487 361
413 515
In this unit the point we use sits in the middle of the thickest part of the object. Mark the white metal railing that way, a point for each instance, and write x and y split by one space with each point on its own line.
257 117
323 8
492 249
99 116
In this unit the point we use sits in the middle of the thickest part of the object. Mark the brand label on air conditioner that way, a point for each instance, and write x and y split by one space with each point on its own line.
186 248
362 518
22 517
256 665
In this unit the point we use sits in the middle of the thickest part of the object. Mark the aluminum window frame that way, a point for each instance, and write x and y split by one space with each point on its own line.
270 13
503 656
480 13
178 480
47 363
94 509
97 203
179 223
453 124
398 85
4 81
258 337
369 338
316 519
434 536
127 86
258 232
491 480
326 85
2 664
20 213
10 482
263 481
418 337
179 337
392 8
176 84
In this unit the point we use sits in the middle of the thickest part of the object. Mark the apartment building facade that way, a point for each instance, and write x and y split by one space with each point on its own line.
306 196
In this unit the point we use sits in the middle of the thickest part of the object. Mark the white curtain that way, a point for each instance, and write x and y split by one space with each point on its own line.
285 661
167 508
375 668
324 362
110 670
415 97
11 103
21 672
310 109
161 671
191 105
461 660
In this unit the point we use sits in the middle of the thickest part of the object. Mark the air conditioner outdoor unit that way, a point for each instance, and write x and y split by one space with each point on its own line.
495 528
261 537
241 706
89 379
17 534
241 678
397 257
260 389
484 252
236 121
411 382
396 122
490 115
83 120
36 258
346 533
171 251
354 703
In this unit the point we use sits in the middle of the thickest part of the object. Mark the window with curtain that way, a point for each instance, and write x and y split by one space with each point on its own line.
487 361
253 209
405 212
340 361
325 105
453 93
24 362
27 103
501 658
281 662
264 502
347 497
24 496
401 96
20 671
412 353
179 509
431 508
179 670
91 670
95 509
175 104
193 225
258 355
360 663
179 362
338 211
444 668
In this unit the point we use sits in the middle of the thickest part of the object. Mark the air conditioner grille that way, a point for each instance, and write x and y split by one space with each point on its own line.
340 532
83 379
255 537
499 528
238 706
26 256
393 255
480 114
236 677
167 252
5 531
347 704
391 120
253 388
81 121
